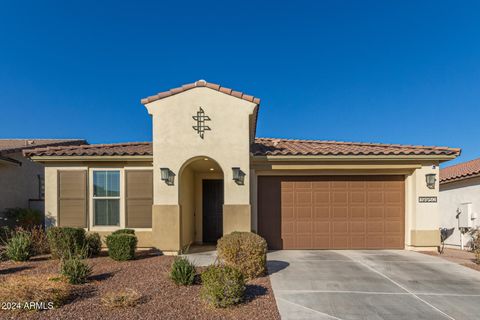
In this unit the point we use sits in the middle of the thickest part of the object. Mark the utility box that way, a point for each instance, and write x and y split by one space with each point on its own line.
465 216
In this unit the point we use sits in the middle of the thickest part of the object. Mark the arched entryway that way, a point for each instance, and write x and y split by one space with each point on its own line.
201 199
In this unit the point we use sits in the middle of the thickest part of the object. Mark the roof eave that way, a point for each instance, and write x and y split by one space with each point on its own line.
91 158
270 158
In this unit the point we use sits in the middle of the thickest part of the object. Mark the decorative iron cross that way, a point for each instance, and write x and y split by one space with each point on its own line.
201 118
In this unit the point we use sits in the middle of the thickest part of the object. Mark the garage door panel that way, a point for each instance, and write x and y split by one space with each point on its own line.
302 213
375 212
357 227
357 212
357 242
332 212
322 227
322 212
339 212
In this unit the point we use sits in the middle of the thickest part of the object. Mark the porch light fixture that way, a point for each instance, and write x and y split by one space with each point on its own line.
238 176
431 179
168 176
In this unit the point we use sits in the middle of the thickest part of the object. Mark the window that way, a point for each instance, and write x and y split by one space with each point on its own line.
106 198
41 187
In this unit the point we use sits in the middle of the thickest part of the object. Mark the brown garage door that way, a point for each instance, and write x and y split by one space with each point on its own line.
332 212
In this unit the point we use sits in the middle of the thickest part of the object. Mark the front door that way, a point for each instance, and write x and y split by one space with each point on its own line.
212 210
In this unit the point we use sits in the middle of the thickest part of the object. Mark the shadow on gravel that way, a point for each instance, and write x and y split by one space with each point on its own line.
14 270
101 277
276 265
140 255
253 291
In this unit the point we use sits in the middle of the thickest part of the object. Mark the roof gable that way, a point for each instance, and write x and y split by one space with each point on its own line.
200 84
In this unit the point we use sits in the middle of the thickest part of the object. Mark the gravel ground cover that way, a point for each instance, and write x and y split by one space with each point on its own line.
148 275
462 257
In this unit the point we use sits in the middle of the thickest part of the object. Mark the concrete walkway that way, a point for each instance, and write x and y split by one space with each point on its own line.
372 285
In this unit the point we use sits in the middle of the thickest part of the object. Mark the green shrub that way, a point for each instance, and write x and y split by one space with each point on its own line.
93 244
245 251
19 247
222 286
5 233
40 243
66 241
23 217
124 231
121 247
75 270
182 271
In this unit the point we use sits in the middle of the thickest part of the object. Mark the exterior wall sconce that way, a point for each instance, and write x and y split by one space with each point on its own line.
238 176
431 179
168 176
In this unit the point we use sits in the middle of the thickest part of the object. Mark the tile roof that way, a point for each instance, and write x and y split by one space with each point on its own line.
200 83
114 149
281 147
15 145
261 147
460 171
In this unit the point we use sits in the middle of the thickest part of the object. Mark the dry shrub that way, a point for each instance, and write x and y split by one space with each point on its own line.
245 251
40 243
122 298
35 288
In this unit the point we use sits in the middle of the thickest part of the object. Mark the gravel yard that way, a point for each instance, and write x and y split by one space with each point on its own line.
148 275
462 257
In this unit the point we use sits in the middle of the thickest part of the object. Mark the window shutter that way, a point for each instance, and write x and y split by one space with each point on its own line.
72 198
139 198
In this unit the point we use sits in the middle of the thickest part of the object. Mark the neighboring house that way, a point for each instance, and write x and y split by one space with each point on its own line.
206 174
460 200
21 180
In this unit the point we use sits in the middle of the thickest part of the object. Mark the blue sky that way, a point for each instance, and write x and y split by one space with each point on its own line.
373 71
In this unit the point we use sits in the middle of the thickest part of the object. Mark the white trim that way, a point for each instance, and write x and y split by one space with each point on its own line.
122 198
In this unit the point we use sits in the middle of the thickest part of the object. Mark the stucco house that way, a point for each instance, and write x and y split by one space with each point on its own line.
460 201
205 174
21 180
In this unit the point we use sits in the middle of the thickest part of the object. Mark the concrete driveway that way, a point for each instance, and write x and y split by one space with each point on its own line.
384 284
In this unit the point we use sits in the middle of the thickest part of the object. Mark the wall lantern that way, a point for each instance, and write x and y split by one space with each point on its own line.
430 178
168 176
238 176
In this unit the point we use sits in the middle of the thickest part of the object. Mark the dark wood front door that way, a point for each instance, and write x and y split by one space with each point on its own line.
212 210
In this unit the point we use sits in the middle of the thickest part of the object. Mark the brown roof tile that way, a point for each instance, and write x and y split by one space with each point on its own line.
281 147
261 147
15 145
200 83
460 171
115 149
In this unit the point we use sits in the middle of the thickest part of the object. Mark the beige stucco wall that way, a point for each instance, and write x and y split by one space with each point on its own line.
187 206
422 220
51 185
18 184
175 141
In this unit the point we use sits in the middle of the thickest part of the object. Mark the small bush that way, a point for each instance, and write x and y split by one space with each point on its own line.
475 234
40 243
245 251
34 288
93 244
121 247
222 286
124 231
66 241
19 247
123 298
182 271
23 217
75 270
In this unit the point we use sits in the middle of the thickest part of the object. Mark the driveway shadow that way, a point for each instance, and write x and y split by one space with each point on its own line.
276 265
